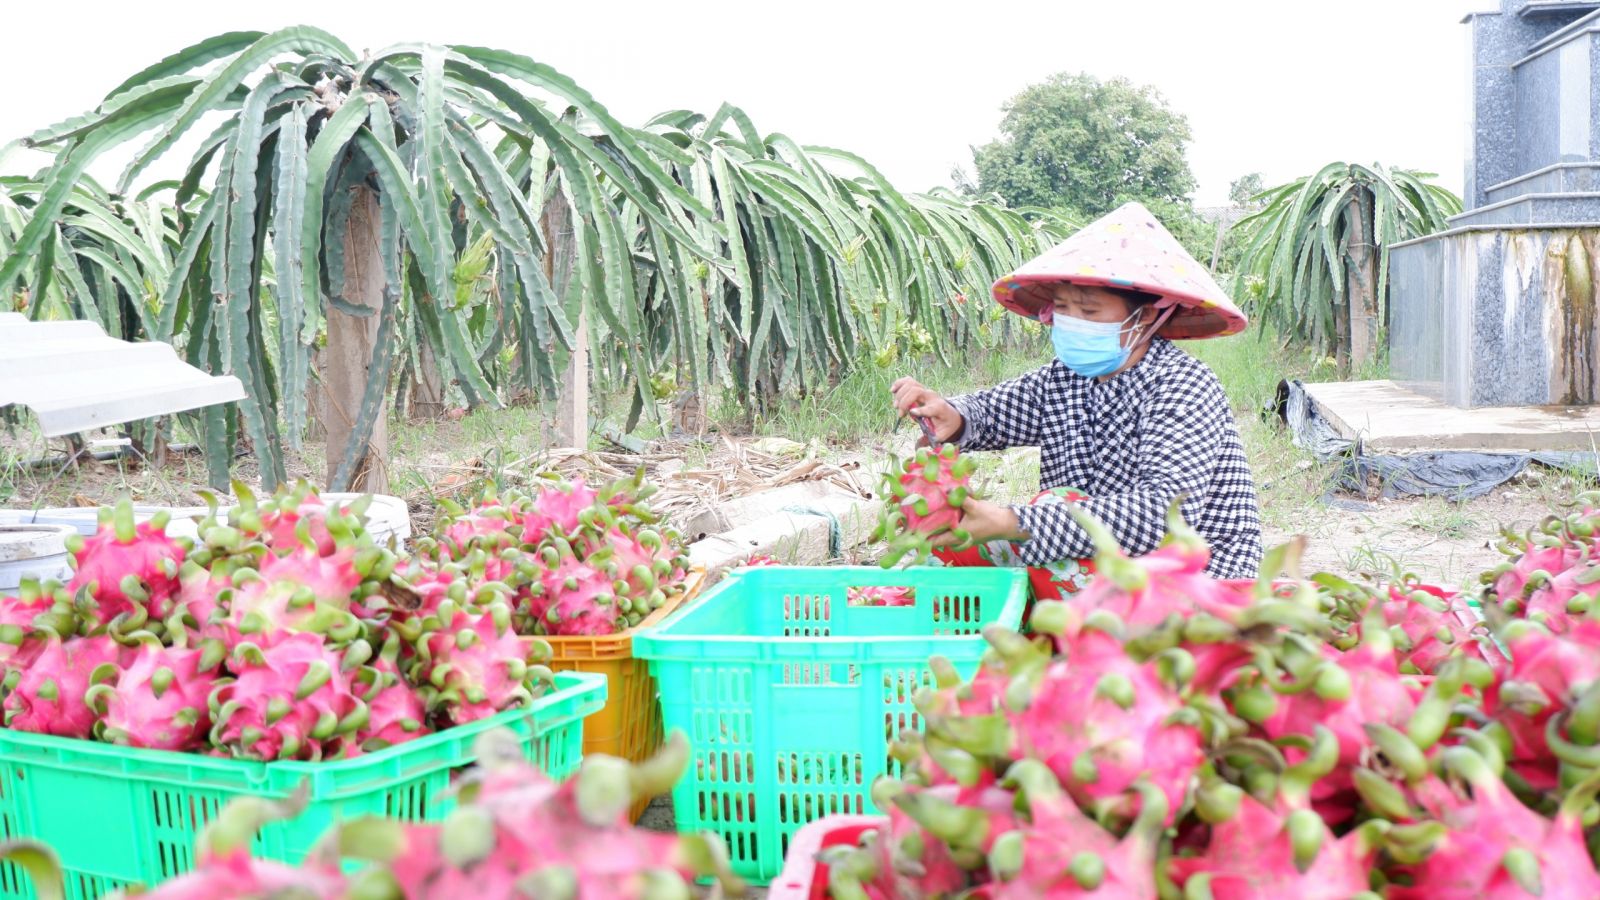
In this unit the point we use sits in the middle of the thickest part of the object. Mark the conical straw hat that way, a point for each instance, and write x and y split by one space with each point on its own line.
1127 248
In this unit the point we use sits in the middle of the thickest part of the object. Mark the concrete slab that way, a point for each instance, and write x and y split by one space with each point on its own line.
1388 418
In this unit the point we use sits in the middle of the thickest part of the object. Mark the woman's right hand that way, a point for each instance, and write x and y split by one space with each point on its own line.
911 398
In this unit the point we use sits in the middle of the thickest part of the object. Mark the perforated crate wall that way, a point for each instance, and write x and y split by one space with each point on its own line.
791 696
118 816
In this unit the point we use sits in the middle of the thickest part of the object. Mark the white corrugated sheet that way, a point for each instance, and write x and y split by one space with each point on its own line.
75 378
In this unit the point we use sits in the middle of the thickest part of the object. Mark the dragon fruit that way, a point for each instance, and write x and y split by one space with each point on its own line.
126 571
1103 722
1062 852
1278 847
1558 600
292 594
643 560
1344 692
1548 676
474 666
517 833
927 496
198 602
38 611
1494 847
1427 625
295 518
395 711
881 595
1164 600
50 696
160 699
555 511
935 833
488 525
897 860
577 599
285 701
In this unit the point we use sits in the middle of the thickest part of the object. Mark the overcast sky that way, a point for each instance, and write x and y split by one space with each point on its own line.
1275 86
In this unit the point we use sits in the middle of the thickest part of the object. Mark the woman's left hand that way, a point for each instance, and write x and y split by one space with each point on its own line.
984 521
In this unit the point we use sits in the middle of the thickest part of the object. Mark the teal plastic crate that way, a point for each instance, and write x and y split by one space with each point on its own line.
790 696
118 816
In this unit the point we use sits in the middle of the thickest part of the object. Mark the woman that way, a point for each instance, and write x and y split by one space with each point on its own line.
1121 413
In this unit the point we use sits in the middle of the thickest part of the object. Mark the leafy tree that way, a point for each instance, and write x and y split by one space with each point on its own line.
1079 143
1319 252
1242 191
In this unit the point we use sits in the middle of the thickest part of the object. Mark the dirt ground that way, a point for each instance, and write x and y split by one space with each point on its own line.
1444 544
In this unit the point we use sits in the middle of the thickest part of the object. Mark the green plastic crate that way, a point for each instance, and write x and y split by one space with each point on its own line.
118 816
790 696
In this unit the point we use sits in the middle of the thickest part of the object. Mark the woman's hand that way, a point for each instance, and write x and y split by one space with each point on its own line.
911 398
983 522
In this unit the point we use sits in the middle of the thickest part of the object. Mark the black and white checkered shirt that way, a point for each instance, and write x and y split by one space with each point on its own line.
1133 443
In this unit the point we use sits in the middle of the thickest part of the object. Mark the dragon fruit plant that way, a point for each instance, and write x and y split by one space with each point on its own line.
923 501
1165 735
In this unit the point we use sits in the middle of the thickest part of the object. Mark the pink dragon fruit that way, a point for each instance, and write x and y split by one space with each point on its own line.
642 559
555 511
128 570
286 701
160 699
50 696
931 829
295 518
395 712
1283 850
1560 599
1494 847
488 525
928 494
1429 627
297 593
1062 852
1165 599
1103 722
474 666
197 603
576 599
1547 675
1346 691
881 595
38 611
1512 582
517 833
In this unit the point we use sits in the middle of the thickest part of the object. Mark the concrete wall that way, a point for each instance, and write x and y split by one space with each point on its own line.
1416 317
1498 317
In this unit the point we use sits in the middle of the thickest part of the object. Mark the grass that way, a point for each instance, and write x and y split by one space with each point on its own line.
1250 366
1446 518
860 407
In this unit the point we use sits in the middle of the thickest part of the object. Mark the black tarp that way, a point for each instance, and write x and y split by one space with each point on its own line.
1454 474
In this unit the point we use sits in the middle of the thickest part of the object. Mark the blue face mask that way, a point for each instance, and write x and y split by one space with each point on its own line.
1091 349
